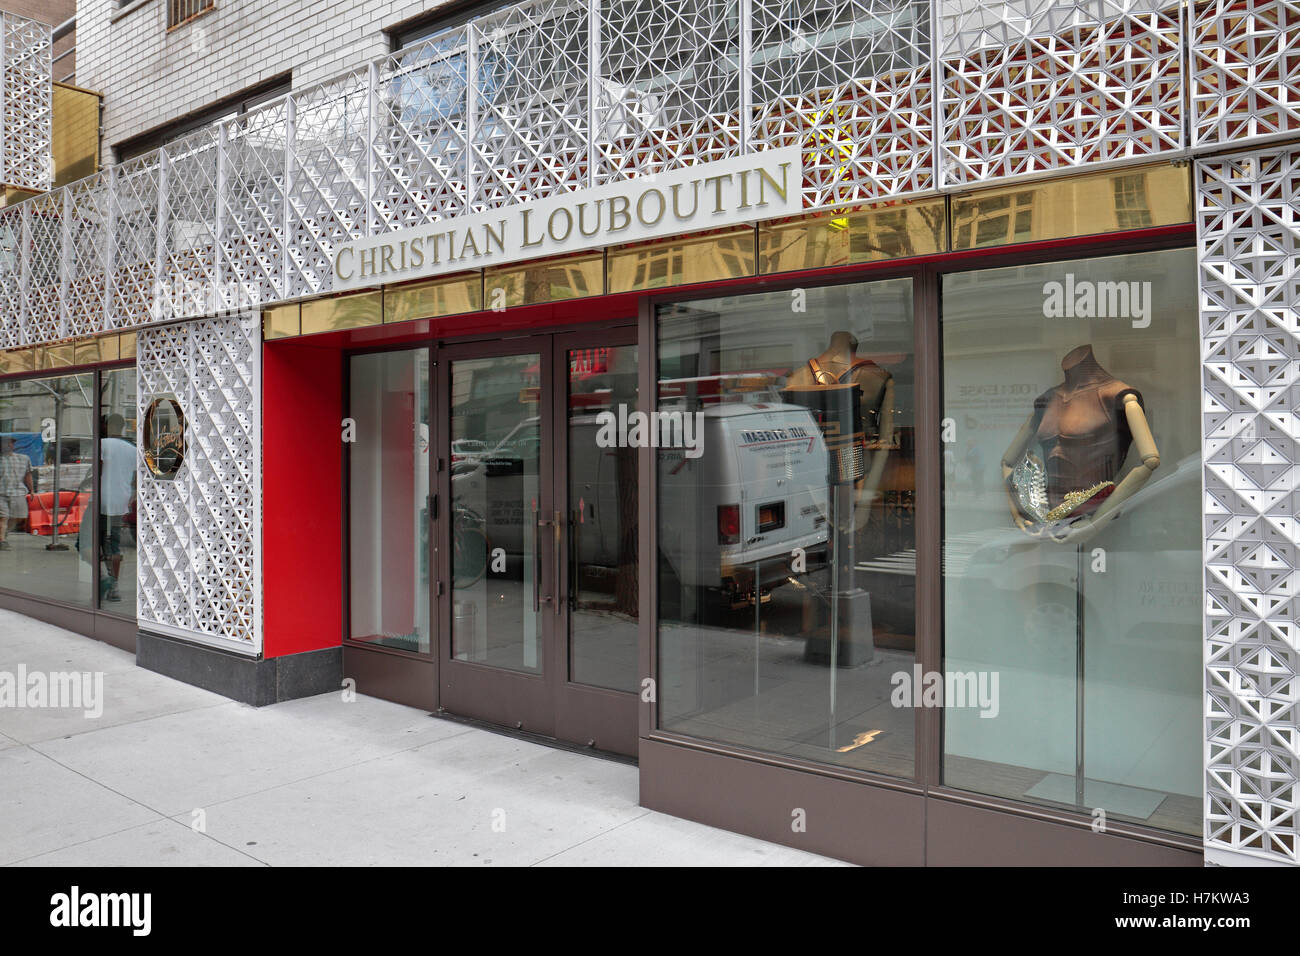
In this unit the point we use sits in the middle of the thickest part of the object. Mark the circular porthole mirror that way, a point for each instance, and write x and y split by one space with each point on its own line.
163 437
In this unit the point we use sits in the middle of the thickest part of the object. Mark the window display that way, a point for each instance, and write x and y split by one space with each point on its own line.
164 437
388 498
1072 565
46 482
1084 428
787 559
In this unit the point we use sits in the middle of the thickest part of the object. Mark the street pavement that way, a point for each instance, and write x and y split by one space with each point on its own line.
171 775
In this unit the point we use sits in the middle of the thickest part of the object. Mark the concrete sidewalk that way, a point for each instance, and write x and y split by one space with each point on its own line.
174 775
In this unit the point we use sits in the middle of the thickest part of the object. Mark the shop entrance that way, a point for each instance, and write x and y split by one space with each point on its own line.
493 535
537 579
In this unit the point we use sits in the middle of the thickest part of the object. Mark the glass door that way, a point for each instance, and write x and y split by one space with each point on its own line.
538 580
498 571
597 490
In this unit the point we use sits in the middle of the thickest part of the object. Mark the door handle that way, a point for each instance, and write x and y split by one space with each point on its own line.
559 550
538 600
573 560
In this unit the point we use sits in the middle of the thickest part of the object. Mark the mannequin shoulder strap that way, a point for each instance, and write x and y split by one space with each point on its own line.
820 375
823 377
857 363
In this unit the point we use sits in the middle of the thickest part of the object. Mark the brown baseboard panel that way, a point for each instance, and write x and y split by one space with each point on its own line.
960 834
857 822
875 825
403 680
119 632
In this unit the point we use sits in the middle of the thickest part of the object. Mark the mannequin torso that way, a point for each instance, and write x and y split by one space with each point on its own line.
839 364
1082 428
840 367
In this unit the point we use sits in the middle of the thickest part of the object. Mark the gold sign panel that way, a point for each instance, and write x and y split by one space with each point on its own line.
1137 197
1095 203
342 312
75 139
724 254
550 280
81 352
431 300
894 231
282 321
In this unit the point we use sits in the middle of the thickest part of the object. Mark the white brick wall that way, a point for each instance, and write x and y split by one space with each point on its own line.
150 76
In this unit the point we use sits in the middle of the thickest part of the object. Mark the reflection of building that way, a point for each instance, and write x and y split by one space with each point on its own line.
934 203
661 265
1123 200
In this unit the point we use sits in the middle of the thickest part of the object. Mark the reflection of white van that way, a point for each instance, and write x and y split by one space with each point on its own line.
494 488
757 493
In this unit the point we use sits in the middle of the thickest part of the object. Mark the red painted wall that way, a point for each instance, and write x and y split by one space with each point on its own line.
302 533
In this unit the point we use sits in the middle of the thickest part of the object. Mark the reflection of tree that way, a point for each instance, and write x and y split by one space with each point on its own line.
559 280
880 233
887 231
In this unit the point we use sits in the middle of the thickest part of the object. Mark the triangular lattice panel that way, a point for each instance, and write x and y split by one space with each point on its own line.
1248 212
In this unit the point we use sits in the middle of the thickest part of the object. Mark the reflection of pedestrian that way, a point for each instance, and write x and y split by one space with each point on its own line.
15 486
116 477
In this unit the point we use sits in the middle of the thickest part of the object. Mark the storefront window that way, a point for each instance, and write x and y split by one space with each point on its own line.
46 477
116 505
388 495
786 521
1072 536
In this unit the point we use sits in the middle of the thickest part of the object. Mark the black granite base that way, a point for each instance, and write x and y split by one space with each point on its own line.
256 681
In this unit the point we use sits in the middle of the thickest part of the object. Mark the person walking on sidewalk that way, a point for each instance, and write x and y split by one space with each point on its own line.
15 486
116 483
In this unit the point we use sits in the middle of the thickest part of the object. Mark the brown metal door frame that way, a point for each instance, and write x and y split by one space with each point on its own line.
548 704
600 717
493 694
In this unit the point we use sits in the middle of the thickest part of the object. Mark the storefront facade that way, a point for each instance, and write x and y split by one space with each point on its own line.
883 428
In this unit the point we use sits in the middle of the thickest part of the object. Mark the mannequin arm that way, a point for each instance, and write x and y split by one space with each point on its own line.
1145 444
870 483
1010 458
